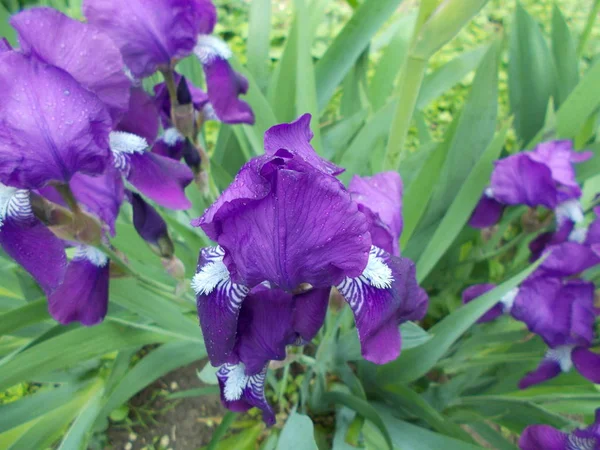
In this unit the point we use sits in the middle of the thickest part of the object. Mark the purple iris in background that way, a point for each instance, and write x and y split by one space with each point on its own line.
155 38
563 315
542 177
570 249
504 306
545 437
287 223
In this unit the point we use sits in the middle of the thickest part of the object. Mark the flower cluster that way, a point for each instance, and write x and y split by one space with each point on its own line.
544 437
287 232
79 135
553 302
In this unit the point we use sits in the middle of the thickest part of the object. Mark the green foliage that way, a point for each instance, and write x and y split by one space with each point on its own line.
437 91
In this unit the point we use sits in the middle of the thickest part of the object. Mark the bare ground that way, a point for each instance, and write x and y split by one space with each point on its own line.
162 424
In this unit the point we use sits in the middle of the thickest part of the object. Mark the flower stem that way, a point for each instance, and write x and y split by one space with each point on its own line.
67 195
587 31
407 93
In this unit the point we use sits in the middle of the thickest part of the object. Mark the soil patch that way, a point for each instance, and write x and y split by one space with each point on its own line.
160 423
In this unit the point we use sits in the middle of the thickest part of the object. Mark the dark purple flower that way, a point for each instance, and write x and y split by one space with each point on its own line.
159 178
287 221
224 84
25 239
380 198
487 213
559 157
542 177
151 34
544 437
562 313
151 226
50 126
520 180
78 48
83 294
141 117
269 321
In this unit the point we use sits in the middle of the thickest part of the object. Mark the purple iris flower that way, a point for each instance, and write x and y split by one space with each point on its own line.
79 49
542 177
152 35
83 294
50 126
545 437
380 198
269 320
287 221
570 249
563 315
29 242
158 177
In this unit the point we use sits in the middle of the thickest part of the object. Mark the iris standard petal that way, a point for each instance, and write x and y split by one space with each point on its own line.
540 307
487 213
160 179
472 292
306 230
50 127
587 364
520 180
382 194
559 156
295 137
224 86
544 240
80 49
542 437
25 239
382 297
218 300
151 34
240 392
567 259
83 295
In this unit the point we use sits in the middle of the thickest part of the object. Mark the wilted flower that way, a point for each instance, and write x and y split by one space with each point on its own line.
545 437
287 222
542 177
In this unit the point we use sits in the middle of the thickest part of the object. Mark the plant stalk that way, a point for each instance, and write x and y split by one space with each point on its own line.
407 93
